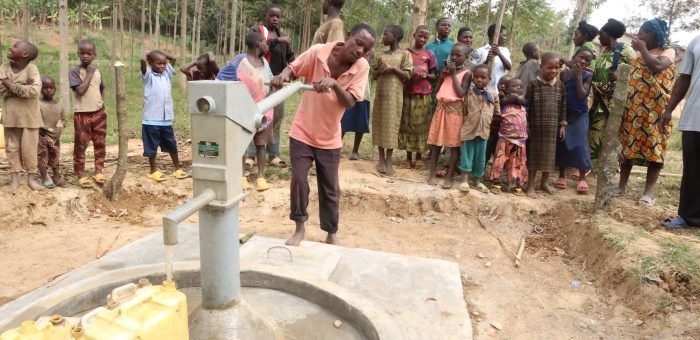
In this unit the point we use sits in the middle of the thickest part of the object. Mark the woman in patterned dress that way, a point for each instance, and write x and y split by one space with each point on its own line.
644 143
391 69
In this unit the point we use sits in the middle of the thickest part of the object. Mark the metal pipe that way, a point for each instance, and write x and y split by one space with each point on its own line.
281 95
177 216
219 257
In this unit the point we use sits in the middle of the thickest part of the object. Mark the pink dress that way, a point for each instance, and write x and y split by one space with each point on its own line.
448 117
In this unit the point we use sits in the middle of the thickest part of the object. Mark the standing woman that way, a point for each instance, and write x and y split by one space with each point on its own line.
644 142
604 79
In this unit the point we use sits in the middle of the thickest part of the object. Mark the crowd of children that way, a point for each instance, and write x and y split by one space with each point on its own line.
429 97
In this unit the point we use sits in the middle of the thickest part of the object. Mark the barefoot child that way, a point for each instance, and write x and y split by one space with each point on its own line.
21 116
481 104
49 149
356 119
510 151
157 124
339 74
252 69
390 69
203 68
530 68
447 120
90 118
417 101
546 98
573 151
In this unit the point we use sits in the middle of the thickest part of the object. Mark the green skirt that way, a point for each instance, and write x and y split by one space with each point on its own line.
415 122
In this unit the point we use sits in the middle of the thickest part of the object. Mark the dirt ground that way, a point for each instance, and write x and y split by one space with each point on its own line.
568 285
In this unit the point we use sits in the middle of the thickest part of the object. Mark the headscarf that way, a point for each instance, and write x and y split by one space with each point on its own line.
614 28
658 28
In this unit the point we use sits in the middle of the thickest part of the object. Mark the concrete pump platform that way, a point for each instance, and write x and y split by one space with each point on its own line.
374 294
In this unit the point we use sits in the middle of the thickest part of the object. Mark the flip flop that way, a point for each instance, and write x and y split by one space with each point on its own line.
481 187
561 183
261 184
496 189
100 178
244 184
464 187
518 192
249 163
85 182
278 163
354 157
48 184
156 176
646 200
405 164
420 165
582 187
179 174
675 223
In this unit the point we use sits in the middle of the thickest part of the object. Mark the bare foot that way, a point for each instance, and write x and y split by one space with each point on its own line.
389 169
298 236
547 188
381 167
332 238
449 182
33 183
432 180
530 191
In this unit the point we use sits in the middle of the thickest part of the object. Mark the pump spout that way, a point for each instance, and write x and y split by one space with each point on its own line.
281 95
177 216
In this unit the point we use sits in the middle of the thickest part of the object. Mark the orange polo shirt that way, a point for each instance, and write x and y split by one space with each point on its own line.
317 120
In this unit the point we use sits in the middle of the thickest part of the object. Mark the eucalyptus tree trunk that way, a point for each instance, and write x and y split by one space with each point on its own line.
418 16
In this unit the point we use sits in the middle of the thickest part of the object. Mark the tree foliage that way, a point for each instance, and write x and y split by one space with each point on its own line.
536 21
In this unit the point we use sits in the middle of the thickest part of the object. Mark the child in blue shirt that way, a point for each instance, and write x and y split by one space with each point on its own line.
158 113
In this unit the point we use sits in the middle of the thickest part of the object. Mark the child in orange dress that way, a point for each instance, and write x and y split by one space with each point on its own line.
447 120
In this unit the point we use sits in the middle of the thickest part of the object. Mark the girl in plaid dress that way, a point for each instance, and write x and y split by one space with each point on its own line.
546 98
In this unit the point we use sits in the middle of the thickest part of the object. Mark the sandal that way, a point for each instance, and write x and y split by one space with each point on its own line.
420 165
496 189
481 187
278 163
85 182
405 164
156 176
518 192
261 184
179 174
249 163
48 184
646 200
100 178
354 156
464 187
582 187
244 184
675 223
560 183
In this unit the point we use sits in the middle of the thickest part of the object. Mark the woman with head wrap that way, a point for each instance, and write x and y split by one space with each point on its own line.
584 35
611 55
653 73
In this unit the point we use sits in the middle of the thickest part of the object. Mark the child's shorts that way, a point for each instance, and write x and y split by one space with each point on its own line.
156 135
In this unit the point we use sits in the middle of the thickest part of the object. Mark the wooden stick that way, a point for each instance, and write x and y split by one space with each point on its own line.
520 253
503 245
497 31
